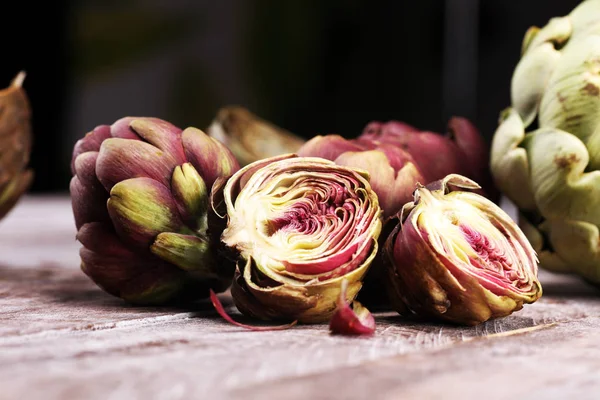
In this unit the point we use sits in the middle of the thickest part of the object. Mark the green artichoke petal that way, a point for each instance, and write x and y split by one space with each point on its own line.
190 253
509 162
571 101
539 59
577 243
140 209
548 259
530 79
558 30
584 18
189 189
561 187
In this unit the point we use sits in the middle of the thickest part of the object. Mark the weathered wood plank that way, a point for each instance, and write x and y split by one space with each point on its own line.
61 337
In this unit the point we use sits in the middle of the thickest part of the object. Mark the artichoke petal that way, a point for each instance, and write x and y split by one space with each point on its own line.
509 161
188 252
121 159
209 156
561 187
162 135
251 138
191 194
571 100
328 147
120 271
142 208
15 144
11 192
570 240
530 79
382 174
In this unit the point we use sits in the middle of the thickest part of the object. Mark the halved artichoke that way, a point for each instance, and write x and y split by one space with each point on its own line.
298 227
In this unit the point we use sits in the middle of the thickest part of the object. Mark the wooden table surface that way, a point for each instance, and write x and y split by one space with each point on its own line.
63 338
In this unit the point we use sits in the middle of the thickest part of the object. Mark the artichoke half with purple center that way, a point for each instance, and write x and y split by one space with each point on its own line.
140 196
298 226
456 256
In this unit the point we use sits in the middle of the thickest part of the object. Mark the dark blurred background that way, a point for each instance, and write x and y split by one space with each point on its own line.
311 66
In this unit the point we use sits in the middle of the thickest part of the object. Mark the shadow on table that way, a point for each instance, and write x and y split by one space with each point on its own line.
55 284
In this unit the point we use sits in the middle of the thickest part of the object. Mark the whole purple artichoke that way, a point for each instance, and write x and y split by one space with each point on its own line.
140 195
398 156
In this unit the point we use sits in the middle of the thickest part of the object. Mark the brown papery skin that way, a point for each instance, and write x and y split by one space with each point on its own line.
15 144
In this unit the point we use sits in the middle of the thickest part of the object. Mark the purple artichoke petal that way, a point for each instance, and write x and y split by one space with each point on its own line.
88 202
121 159
136 280
209 156
161 134
382 132
394 188
328 147
122 129
85 168
351 321
101 239
91 142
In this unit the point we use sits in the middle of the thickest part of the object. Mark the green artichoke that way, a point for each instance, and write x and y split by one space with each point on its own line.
15 144
140 195
545 154
299 227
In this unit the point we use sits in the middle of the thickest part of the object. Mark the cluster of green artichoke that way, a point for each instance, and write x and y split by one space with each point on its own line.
167 215
545 155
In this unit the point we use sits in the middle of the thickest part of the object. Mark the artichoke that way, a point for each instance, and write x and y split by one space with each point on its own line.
140 196
15 144
249 137
456 256
351 321
546 151
398 156
298 227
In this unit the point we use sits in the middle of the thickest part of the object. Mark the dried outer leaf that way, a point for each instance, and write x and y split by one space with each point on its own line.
250 138
15 143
